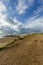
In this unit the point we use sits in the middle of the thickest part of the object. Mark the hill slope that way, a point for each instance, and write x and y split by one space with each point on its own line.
28 51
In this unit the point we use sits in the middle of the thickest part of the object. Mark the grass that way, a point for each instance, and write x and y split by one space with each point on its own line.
12 44
9 45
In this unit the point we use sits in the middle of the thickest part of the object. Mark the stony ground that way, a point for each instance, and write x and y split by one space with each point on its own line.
28 51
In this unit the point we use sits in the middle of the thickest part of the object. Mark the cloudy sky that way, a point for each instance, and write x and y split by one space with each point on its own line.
17 14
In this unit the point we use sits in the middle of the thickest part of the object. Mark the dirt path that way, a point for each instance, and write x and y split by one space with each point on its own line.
28 52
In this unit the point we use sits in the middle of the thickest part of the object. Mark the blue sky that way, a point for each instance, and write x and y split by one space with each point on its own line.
17 14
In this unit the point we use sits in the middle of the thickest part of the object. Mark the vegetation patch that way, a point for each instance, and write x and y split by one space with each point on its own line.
12 44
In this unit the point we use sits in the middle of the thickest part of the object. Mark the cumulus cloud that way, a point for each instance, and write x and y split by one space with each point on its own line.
22 6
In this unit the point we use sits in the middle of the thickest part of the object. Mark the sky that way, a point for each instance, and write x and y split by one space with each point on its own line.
17 14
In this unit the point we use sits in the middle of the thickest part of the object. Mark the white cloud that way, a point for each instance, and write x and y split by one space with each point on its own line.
38 10
41 1
18 24
0 31
5 0
2 7
5 22
2 16
31 2
34 23
33 18
22 6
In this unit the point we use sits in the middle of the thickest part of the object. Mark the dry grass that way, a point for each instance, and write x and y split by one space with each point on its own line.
25 51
